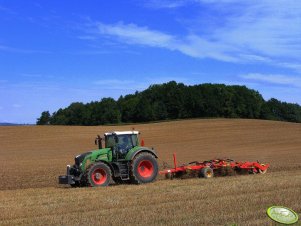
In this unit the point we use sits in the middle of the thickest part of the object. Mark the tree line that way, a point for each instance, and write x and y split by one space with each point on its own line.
174 100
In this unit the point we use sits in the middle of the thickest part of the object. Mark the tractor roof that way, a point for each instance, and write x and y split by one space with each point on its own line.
122 132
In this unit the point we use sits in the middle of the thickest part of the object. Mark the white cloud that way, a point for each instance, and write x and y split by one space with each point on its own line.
87 37
294 66
191 45
123 86
18 50
7 10
115 83
134 34
31 75
272 34
274 79
266 28
263 31
91 52
17 105
133 85
168 4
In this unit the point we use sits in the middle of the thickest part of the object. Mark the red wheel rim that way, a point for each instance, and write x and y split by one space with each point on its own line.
145 168
99 176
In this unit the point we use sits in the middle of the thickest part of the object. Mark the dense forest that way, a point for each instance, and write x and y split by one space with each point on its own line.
175 101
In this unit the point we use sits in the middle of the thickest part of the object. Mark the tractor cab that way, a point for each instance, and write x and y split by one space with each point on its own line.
119 142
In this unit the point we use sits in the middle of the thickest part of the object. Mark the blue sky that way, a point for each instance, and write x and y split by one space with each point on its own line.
55 52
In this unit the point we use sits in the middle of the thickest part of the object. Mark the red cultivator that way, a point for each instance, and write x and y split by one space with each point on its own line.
207 169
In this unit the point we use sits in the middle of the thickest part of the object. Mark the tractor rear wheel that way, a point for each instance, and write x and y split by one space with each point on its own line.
99 175
206 172
144 168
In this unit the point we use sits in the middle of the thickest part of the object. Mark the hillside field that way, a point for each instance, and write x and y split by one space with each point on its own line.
32 157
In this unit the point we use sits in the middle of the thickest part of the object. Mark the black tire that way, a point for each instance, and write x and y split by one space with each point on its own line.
144 168
206 172
99 174
117 180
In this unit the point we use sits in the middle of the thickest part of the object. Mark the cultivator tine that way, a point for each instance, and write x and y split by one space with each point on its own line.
175 160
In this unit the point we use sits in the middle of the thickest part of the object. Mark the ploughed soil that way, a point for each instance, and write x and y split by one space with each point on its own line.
32 157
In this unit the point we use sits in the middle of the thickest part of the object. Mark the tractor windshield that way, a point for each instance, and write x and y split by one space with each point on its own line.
128 140
124 140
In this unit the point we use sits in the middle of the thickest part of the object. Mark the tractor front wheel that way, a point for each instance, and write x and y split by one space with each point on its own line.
99 175
144 168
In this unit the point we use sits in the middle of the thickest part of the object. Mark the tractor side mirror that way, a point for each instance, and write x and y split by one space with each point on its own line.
98 140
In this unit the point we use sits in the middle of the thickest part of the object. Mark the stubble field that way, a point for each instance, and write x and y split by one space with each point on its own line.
31 158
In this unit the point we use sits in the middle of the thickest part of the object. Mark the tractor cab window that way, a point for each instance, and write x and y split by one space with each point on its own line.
125 143
110 141
134 138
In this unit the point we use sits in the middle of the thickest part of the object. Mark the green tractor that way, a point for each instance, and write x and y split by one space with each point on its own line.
122 160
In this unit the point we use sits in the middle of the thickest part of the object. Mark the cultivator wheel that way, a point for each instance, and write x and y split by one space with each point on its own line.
169 176
206 172
99 174
262 171
226 171
144 168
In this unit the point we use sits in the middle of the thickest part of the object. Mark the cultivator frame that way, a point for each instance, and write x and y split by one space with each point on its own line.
207 169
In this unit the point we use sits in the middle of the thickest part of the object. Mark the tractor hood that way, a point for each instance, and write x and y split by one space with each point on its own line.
79 158
83 160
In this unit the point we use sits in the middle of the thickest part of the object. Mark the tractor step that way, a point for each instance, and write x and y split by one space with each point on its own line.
124 170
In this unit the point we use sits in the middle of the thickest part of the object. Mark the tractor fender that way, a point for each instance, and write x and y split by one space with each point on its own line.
109 164
132 155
